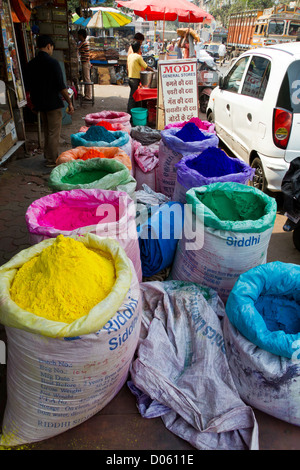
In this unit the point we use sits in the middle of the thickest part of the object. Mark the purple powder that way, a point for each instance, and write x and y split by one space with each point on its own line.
191 133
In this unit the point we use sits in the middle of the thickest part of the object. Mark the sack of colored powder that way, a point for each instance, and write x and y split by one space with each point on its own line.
203 125
227 231
76 212
95 173
172 149
261 331
112 117
211 166
95 152
97 136
60 374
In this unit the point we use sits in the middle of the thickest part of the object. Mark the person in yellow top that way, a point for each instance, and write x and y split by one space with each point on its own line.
135 64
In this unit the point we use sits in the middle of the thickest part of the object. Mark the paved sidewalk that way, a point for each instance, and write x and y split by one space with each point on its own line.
119 425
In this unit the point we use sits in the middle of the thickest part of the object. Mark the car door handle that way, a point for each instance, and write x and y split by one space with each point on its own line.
249 117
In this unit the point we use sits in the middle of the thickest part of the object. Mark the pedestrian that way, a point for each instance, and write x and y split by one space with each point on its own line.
84 52
135 64
137 37
222 52
45 83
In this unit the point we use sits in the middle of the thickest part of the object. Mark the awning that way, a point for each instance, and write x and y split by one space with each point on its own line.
21 11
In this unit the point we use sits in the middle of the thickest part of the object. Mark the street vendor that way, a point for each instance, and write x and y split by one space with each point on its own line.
135 64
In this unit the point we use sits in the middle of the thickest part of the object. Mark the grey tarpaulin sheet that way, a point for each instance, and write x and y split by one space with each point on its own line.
181 366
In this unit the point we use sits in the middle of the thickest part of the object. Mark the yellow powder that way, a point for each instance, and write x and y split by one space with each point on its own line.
64 282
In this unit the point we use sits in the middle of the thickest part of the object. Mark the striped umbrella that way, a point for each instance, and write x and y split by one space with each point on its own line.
104 18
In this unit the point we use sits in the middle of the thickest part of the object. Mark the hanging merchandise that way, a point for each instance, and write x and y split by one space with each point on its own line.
71 370
232 224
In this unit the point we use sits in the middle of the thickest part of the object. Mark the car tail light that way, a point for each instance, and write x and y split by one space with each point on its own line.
282 123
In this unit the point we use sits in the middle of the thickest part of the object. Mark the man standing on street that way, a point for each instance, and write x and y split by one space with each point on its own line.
84 51
45 83
135 64
222 52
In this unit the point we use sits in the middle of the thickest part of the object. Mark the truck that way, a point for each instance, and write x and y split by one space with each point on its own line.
256 28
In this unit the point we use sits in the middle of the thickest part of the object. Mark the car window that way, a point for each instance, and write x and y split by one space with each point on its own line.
233 79
289 93
257 77
276 27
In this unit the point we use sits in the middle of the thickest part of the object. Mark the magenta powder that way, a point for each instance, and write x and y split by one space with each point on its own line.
66 217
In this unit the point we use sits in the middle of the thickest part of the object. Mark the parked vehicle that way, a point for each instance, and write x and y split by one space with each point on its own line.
150 59
256 110
212 49
208 77
291 190
257 28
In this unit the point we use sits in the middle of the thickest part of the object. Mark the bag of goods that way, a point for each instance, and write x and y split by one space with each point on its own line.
98 136
71 312
227 231
146 165
108 126
95 173
85 153
108 214
262 338
176 143
203 125
211 166
145 135
112 117
181 372
158 237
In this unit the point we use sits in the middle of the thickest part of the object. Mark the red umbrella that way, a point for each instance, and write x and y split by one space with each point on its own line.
168 10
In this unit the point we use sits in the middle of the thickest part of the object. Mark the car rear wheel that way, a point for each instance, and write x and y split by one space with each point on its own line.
210 116
203 102
259 180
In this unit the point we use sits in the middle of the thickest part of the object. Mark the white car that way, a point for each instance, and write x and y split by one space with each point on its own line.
256 111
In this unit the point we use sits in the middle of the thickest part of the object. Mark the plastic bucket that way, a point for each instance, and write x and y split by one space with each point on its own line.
139 116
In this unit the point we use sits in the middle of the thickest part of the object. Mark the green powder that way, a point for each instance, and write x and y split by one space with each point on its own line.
84 177
233 205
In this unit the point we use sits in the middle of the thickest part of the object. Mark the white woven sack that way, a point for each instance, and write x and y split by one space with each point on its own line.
218 260
265 381
54 384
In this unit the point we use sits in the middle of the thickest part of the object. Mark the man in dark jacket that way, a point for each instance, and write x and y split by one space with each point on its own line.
45 83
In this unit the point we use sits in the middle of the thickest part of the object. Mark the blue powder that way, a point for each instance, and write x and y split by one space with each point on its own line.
99 134
214 162
191 133
279 313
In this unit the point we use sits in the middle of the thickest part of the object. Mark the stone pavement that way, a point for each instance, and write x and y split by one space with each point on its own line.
119 425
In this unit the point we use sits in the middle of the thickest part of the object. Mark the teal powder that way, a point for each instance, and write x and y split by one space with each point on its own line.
233 205
99 134
279 313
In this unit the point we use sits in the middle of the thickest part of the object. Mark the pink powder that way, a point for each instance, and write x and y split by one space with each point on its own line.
67 217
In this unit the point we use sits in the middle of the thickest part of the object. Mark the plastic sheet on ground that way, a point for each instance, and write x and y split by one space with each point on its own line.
191 388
